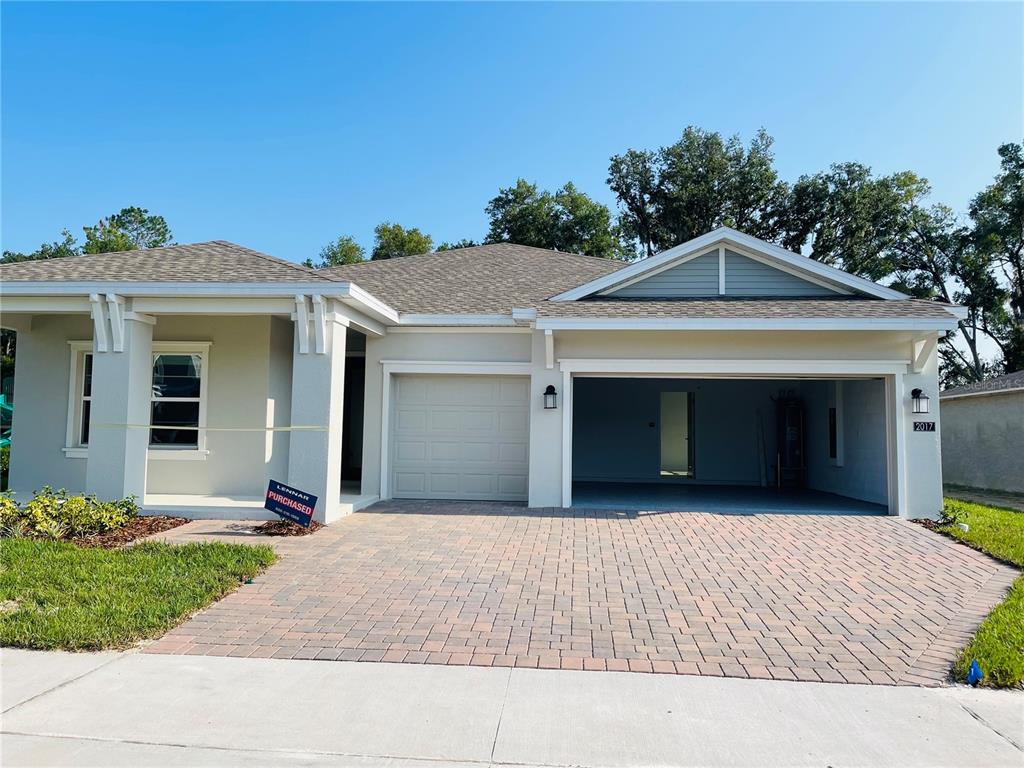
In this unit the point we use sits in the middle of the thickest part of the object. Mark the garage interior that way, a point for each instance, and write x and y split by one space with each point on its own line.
730 446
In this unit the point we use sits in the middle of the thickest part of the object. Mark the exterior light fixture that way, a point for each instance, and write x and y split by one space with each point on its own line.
550 398
920 401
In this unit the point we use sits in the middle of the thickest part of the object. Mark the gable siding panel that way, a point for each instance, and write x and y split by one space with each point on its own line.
746 277
697 277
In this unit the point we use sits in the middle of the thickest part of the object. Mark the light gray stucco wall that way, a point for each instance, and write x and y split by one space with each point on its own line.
41 379
249 364
862 418
982 442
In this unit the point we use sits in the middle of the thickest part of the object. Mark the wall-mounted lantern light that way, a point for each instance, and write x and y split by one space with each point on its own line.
920 401
550 397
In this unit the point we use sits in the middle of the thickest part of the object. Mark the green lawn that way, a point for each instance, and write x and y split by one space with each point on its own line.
999 644
74 598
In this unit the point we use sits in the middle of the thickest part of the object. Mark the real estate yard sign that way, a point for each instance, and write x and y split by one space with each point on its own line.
290 503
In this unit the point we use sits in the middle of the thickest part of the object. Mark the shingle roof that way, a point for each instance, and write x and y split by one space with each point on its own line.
988 387
745 308
214 261
483 279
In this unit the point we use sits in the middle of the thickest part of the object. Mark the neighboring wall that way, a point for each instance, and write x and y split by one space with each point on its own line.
249 386
982 445
860 417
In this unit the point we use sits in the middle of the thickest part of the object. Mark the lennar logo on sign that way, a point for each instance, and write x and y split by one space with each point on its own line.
290 503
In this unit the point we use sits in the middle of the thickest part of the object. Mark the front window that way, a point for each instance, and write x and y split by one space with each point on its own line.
82 403
176 407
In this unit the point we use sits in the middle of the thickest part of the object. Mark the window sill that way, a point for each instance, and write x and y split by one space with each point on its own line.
177 454
75 453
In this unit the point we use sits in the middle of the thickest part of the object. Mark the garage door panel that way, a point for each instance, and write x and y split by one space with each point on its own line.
461 437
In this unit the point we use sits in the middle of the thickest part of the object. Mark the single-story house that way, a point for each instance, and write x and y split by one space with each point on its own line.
191 375
981 434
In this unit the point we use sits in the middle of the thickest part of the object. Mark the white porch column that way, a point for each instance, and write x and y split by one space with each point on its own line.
318 382
122 383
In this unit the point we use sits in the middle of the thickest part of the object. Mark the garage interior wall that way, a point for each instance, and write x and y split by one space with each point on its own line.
614 440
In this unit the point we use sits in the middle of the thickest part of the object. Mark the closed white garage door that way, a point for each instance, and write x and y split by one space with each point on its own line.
460 437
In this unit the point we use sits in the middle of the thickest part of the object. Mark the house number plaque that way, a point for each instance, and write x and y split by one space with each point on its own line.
924 426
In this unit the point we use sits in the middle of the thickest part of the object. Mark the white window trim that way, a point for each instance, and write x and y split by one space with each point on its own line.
202 349
73 450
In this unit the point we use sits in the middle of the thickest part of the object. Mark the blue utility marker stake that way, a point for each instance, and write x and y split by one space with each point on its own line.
974 674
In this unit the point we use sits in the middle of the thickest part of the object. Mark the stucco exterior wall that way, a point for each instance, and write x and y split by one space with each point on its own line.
42 371
249 367
982 446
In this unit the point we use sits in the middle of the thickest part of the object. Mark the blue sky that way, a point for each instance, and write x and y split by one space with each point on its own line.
283 126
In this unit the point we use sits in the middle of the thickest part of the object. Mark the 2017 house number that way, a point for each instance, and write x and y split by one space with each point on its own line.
924 426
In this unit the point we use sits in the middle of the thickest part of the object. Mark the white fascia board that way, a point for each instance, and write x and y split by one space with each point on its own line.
744 324
732 367
79 304
1008 391
411 319
523 314
349 293
730 236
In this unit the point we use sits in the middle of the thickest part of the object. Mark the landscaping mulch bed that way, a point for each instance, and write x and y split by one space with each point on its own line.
137 528
286 528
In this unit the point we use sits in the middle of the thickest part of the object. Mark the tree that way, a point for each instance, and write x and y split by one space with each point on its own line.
998 216
344 250
850 219
463 243
701 182
58 249
127 230
393 240
567 220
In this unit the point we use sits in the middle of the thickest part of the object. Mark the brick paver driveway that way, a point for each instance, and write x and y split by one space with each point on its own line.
856 599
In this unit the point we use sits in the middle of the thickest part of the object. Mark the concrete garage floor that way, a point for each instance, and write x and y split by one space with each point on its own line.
717 499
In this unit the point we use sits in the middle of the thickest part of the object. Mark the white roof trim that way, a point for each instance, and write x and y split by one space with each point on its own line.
745 324
731 236
982 393
411 319
347 292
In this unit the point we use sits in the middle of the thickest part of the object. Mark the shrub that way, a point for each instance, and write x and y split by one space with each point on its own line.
55 515
953 512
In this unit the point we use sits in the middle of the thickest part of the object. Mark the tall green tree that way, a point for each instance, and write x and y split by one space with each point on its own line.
344 250
392 241
127 230
700 182
566 220
848 218
997 213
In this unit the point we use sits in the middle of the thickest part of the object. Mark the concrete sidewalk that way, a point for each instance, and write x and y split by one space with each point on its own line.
147 710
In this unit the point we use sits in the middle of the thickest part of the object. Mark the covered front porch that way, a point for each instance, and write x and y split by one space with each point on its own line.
192 405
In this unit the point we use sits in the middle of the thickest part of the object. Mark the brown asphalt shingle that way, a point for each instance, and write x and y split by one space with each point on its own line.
211 262
483 279
746 308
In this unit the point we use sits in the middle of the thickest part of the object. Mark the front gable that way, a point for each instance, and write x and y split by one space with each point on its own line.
721 272
730 264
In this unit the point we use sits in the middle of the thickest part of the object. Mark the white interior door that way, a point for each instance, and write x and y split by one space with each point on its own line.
460 437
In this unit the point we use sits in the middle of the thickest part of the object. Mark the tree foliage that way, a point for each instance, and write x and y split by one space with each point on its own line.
127 230
566 220
703 181
463 243
344 250
392 241
58 249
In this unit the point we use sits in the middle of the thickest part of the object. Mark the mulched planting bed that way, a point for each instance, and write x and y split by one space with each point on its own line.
137 528
286 528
